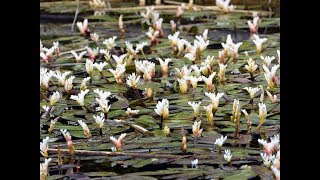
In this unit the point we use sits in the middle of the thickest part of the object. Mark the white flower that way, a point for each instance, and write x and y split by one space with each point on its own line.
68 84
66 135
195 106
102 94
130 49
41 46
85 128
106 54
164 65
227 155
92 53
121 24
153 35
275 141
44 168
133 80
191 55
139 47
119 59
56 47
183 72
214 99
44 147
113 149
276 172
194 80
208 81
131 112
252 91
258 42
224 5
54 98
83 27
78 57
194 163
276 161
47 54
121 68
271 146
220 141
180 10
183 85
197 71
46 108
209 113
205 34
267 159
80 97
99 120
267 60
173 26
200 43
100 66
103 105
94 37
222 72
270 75
208 63
45 77
118 142
162 108
196 129
83 85
262 112
251 67
61 77
110 43
278 53
253 26
173 39
235 110
89 66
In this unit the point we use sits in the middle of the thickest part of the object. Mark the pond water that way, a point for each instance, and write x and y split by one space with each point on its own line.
153 155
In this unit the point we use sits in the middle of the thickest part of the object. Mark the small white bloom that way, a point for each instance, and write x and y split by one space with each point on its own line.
205 34
102 94
222 72
196 129
78 57
253 26
103 105
197 71
267 60
209 81
162 108
119 59
118 142
262 112
133 80
276 172
139 47
130 112
251 67
80 97
270 75
85 128
99 120
267 159
183 72
106 54
89 66
195 106
227 155
68 84
214 99
110 43
92 53
252 91
173 39
44 168
220 141
83 85
194 80
258 42
113 149
44 147
164 65
94 37
278 53
194 163
224 5
183 85
61 77
99 66
120 69
83 27
54 98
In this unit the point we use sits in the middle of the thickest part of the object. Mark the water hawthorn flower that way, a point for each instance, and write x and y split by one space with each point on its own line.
102 94
47 54
195 106
103 105
78 57
270 147
235 111
80 97
267 159
197 70
94 37
183 85
276 172
131 112
209 81
258 42
253 25
262 114
61 77
92 53
83 85
196 129
222 72
166 130
251 67
214 100
162 108
209 113
227 155
133 80
120 69
118 142
270 76
153 35
44 147
220 141
110 42
184 72
194 163
100 66
85 128
54 98
68 84
224 5
99 120
67 136
267 60
164 66
83 27
252 91
44 169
